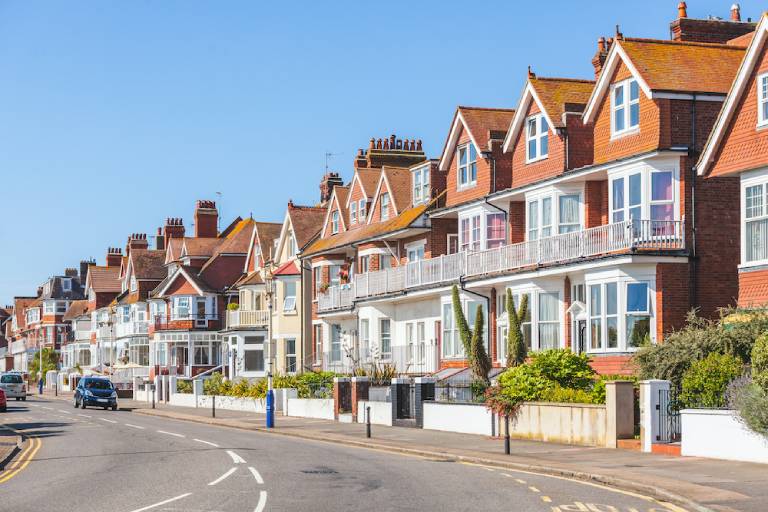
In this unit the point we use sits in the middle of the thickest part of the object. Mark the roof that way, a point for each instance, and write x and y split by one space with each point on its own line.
399 181
734 96
250 279
268 232
406 218
173 249
148 264
662 66
306 222
200 247
104 279
555 97
483 124
76 308
236 239
190 274
369 180
288 268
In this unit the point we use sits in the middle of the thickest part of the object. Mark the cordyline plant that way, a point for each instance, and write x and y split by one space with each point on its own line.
479 361
516 349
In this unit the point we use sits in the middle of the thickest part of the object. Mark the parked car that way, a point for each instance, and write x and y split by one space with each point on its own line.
95 391
3 403
13 385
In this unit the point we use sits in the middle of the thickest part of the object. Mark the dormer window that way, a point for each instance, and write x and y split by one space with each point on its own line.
385 206
420 180
66 285
335 222
762 100
361 211
537 138
291 245
467 165
353 212
625 107
134 284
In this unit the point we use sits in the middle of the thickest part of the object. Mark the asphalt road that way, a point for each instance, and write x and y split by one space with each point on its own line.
95 460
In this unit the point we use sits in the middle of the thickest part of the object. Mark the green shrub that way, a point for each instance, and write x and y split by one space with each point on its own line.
479 360
565 368
760 362
525 383
698 339
751 402
705 382
183 386
216 385
233 306
570 395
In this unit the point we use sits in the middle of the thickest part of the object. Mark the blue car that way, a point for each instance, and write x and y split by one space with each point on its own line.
95 391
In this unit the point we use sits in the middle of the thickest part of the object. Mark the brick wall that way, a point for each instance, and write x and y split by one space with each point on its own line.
376 214
753 287
483 187
355 195
673 300
516 222
554 165
595 203
581 142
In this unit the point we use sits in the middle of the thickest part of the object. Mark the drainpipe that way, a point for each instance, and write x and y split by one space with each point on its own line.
691 153
487 303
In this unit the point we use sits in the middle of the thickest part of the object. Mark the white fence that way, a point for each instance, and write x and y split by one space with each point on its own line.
606 239
131 329
719 434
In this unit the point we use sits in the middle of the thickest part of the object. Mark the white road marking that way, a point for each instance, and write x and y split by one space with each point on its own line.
235 457
206 442
47 408
134 426
108 421
487 469
161 503
533 489
170 433
520 481
222 477
85 416
65 412
256 475
259 506
34 405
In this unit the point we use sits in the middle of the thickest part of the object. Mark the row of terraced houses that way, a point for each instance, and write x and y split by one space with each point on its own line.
616 204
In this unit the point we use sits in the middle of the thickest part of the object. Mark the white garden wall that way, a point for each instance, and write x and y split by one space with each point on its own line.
381 412
463 418
582 424
321 408
719 434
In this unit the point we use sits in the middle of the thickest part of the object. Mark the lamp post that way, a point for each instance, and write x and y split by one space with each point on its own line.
269 284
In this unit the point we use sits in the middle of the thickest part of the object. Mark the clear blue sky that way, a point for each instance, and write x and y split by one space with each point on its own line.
115 115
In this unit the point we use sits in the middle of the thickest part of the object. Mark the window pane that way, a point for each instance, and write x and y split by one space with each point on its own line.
532 127
634 115
544 145
612 331
618 95
595 308
635 189
548 303
546 211
532 149
611 300
463 156
569 209
634 90
595 333
637 297
756 240
544 125
472 153
754 201
661 186
638 328
662 212
618 119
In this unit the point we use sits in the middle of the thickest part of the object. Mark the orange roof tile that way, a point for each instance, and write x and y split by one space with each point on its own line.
76 308
560 95
104 279
306 222
399 180
486 123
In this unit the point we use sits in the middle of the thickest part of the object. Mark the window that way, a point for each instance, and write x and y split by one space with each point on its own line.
289 296
124 314
66 285
625 105
335 222
470 233
134 284
365 263
554 214
334 275
617 206
385 338
495 230
467 165
318 280
365 336
353 212
638 320
537 138
762 100
253 358
181 307
451 344
533 220
603 316
290 355
385 206
662 202
755 223
549 320
291 244
627 201
415 253
157 309
420 179
415 333
49 307
335 343
453 243
318 342
568 209
138 351
385 261
362 204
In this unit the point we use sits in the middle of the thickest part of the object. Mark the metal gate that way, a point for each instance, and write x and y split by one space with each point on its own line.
669 416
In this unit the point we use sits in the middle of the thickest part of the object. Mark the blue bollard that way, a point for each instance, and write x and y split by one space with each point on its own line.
270 408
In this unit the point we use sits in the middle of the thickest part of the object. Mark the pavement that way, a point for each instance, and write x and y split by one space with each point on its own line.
694 483
93 460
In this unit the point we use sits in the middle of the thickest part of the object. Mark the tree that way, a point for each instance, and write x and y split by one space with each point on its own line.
516 349
50 362
461 322
479 360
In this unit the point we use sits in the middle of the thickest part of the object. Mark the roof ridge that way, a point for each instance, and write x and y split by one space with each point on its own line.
683 43
560 79
492 109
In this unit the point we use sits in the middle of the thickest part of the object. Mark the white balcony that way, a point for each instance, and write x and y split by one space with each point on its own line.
627 236
105 332
18 347
131 329
240 318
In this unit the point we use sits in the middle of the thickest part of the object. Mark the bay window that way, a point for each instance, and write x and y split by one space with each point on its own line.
755 222
420 179
335 275
470 233
762 100
645 194
553 214
181 308
467 156
625 106
662 202
603 316
495 230
49 307
568 216
415 252
451 344
619 315
549 320
638 319
537 138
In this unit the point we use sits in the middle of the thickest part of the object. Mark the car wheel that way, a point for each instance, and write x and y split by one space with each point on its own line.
114 407
23 399
3 409
18 398
82 404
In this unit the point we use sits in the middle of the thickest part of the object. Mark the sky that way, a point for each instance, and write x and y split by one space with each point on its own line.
116 115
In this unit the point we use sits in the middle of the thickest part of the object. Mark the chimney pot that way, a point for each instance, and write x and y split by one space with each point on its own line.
682 10
378 144
372 143
386 144
619 35
392 141
601 44
735 12
418 145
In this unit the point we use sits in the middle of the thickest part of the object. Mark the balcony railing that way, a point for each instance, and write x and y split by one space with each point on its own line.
632 235
415 358
131 329
105 332
245 318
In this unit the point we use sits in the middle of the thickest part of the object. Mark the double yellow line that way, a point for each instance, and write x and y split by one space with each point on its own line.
22 460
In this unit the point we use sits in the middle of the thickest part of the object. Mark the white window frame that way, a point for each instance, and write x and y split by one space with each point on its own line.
420 184
415 249
66 285
384 204
539 135
622 314
289 300
547 226
759 215
385 338
361 213
134 285
645 172
353 212
627 104
335 222
176 306
365 335
454 349
290 355
49 307
469 170
762 100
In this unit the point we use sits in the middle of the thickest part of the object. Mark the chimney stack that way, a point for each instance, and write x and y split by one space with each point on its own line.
159 240
174 228
136 241
330 180
114 256
735 12
70 272
84 264
598 61
206 219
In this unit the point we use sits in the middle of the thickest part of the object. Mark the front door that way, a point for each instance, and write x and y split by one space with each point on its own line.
181 360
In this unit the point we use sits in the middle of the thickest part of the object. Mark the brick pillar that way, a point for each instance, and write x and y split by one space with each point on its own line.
567 316
359 392
620 408
516 222
425 390
341 396
399 395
